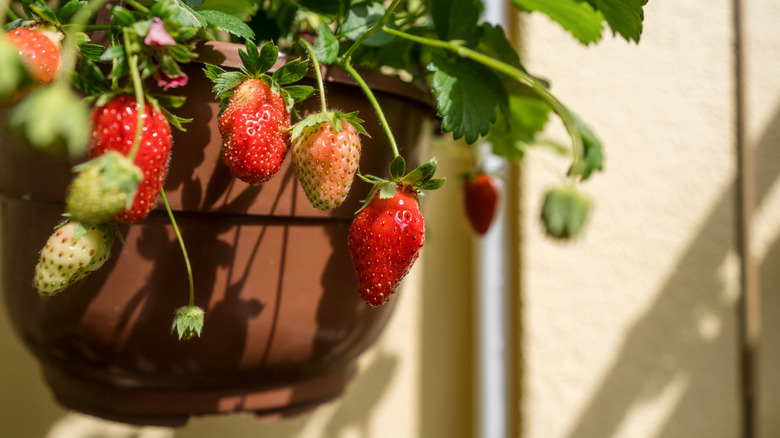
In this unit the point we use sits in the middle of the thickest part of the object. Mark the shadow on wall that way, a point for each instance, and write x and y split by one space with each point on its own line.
663 357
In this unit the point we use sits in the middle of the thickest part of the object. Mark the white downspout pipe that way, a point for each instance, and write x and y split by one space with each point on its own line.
493 286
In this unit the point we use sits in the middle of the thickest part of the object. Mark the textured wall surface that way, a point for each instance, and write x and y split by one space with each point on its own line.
631 331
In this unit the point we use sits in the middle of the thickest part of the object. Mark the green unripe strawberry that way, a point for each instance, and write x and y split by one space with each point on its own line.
103 187
564 212
71 253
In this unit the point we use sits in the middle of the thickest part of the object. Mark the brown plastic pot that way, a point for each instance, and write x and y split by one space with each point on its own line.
284 321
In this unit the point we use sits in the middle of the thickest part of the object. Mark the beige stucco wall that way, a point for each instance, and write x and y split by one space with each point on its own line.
631 331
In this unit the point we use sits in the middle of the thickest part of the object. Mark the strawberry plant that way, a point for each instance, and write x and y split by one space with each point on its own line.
98 80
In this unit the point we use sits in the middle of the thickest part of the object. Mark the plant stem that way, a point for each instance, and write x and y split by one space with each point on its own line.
578 150
378 109
89 27
77 24
183 248
4 9
138 6
139 98
318 73
370 31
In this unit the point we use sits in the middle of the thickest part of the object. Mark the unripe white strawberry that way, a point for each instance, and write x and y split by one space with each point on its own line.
71 253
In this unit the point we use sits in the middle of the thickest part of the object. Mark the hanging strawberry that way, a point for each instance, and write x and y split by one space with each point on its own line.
254 120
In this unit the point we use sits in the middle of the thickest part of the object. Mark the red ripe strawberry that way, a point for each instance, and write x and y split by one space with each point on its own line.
480 196
253 129
325 153
384 241
39 52
114 126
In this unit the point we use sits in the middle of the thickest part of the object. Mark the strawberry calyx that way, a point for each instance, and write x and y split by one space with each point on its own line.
103 187
418 180
335 118
188 322
256 64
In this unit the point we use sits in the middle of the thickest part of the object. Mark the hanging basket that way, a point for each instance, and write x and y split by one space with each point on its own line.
284 321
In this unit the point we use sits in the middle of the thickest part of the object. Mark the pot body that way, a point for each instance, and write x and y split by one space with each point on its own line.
284 321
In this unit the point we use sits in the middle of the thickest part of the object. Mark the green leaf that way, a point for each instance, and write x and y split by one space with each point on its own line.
228 23
43 11
362 16
457 19
91 79
387 190
576 16
213 71
52 117
493 42
421 174
298 93
468 94
186 16
112 53
326 46
623 16
372 193
432 184
69 9
397 168
290 72
228 82
241 9
13 70
593 150
353 119
310 121
122 16
527 117
93 52
268 56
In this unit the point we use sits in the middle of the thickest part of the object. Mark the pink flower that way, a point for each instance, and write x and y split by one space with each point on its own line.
165 82
157 36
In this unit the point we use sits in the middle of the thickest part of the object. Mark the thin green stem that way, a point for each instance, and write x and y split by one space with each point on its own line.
183 248
520 76
318 73
137 6
4 9
373 29
139 97
76 25
378 109
88 28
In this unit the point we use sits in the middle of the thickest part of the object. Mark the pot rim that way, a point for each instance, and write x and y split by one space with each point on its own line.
225 54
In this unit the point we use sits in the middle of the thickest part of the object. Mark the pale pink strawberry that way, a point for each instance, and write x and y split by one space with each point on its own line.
326 153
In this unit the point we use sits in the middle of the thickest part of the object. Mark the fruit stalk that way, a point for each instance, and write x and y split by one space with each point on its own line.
3 11
578 149
77 24
181 244
378 109
318 73
370 31
140 100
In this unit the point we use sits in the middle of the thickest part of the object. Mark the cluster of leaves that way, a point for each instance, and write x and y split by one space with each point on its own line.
474 100
483 90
